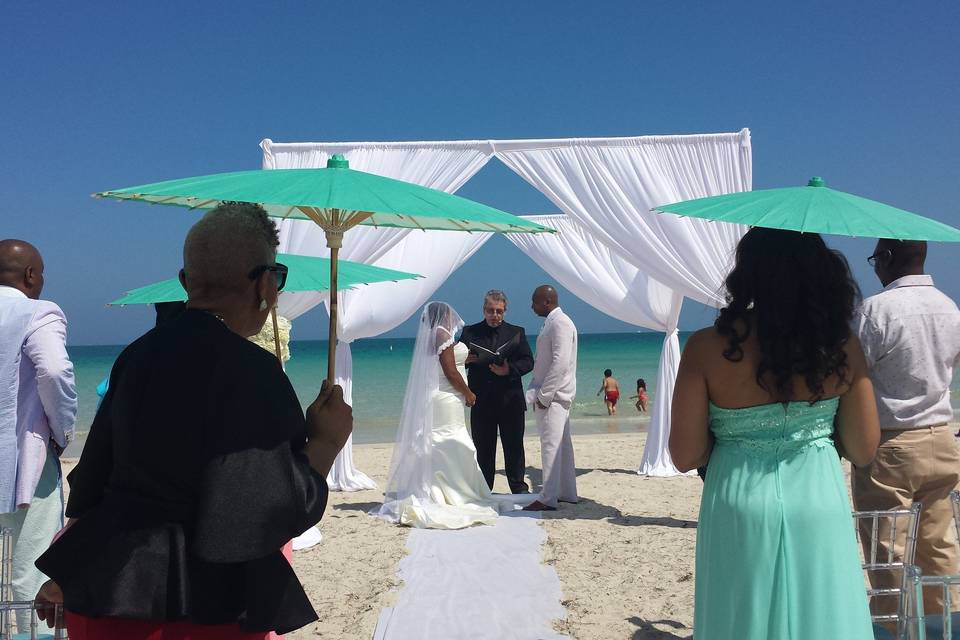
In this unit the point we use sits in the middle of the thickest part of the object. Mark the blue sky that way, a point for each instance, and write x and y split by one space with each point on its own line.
104 95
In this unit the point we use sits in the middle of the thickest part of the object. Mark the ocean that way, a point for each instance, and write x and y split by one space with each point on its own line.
381 365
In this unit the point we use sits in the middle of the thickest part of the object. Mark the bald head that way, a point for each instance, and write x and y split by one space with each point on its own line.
545 300
223 248
898 258
21 267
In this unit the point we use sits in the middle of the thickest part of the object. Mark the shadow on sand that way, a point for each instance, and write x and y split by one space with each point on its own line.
357 506
588 509
647 629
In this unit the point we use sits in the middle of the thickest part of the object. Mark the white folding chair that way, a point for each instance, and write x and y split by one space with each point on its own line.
10 607
905 521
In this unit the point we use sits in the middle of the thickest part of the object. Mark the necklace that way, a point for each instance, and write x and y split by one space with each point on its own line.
214 314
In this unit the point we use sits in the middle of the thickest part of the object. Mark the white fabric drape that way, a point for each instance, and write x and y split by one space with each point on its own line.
370 311
599 276
609 186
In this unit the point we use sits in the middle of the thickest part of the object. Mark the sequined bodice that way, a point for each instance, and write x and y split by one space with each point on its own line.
775 429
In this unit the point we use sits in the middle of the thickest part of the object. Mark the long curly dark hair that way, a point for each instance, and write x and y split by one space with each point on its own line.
799 297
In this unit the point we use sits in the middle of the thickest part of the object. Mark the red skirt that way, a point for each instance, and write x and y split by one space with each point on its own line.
83 628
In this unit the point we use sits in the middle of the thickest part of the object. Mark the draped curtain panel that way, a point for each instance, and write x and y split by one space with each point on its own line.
599 276
609 186
372 310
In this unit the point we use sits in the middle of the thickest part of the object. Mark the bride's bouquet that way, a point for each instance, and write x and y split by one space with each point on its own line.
264 339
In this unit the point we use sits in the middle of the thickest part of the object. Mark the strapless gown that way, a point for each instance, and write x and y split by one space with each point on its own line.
458 494
776 550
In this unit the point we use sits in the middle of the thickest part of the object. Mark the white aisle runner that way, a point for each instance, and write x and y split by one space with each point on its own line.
481 582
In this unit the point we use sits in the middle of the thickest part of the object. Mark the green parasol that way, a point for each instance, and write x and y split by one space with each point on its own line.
306 274
815 209
337 198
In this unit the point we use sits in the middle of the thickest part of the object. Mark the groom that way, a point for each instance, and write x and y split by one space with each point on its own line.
499 356
551 393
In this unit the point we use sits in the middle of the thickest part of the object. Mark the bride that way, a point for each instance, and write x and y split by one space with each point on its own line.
434 478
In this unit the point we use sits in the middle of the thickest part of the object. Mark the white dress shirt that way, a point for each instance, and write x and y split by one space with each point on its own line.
38 396
555 364
910 333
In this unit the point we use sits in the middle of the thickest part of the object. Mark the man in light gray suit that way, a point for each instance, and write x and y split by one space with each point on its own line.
38 408
551 395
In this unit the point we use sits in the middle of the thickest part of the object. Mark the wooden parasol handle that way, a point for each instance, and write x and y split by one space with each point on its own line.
276 334
332 344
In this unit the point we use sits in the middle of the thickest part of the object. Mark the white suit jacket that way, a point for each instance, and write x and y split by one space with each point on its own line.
38 397
555 364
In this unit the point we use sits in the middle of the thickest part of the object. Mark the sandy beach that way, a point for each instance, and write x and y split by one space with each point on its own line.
624 555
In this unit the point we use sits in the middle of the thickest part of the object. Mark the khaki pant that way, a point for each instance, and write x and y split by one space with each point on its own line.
912 465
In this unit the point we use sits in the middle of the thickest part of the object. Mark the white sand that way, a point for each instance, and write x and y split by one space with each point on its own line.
624 555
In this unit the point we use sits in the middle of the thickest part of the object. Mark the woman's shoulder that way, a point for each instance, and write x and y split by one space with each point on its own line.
704 341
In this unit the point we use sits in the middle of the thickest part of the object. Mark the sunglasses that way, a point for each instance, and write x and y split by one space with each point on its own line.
280 270
883 253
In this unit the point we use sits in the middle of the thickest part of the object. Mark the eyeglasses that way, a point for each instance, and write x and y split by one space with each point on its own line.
280 270
883 253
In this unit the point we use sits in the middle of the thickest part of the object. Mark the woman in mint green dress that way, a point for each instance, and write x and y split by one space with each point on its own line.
766 399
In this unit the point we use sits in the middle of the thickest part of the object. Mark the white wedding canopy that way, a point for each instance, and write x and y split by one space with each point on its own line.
606 185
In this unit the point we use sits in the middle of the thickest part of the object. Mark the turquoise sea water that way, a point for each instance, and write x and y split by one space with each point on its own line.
381 366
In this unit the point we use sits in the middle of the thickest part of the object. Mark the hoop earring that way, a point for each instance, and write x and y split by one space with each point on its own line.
263 305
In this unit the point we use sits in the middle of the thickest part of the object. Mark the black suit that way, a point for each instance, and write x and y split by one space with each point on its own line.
500 402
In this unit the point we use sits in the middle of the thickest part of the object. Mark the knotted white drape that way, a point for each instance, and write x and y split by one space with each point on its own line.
604 280
370 311
610 184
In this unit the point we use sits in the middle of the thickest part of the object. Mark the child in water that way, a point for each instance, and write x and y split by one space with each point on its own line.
641 395
611 390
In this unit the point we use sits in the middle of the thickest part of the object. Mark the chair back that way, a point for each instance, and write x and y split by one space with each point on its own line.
9 608
920 626
883 558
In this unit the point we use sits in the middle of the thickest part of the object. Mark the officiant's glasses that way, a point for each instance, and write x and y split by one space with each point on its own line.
280 270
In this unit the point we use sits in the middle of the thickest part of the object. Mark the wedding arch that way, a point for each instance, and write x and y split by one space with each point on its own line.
611 250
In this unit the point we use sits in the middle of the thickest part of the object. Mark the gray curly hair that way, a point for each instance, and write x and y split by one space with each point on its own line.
495 295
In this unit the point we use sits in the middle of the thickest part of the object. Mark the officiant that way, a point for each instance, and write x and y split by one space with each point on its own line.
499 356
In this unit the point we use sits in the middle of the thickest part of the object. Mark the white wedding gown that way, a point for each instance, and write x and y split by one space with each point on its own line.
458 495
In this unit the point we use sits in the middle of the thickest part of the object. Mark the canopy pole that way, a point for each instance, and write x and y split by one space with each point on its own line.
276 334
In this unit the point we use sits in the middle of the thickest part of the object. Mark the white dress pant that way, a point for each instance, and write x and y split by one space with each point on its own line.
556 453
33 529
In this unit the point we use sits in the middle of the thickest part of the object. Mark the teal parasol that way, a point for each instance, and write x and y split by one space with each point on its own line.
815 209
336 198
307 273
